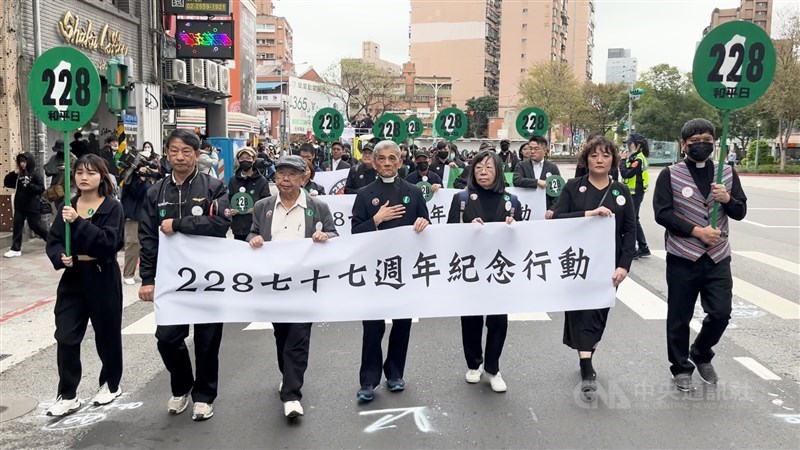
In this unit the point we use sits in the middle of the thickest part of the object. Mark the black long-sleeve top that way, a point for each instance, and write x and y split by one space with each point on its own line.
736 208
489 206
575 201
100 236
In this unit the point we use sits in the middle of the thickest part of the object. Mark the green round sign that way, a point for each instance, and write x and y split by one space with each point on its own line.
64 88
734 65
414 127
427 190
554 185
328 125
451 123
390 127
532 122
242 202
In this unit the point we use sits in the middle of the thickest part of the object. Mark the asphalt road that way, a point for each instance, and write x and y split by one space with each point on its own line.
755 405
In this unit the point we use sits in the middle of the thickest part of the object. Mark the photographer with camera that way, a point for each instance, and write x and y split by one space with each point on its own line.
246 188
144 174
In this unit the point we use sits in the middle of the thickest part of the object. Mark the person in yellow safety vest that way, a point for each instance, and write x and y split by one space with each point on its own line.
633 170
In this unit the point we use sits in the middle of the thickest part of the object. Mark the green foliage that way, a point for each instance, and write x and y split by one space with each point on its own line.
606 105
478 112
790 169
764 156
552 87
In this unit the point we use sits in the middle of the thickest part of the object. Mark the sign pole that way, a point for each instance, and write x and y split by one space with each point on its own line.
723 153
67 199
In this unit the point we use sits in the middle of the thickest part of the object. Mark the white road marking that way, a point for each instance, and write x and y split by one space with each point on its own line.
643 302
695 325
774 261
389 321
524 317
772 209
769 226
757 368
258 326
145 325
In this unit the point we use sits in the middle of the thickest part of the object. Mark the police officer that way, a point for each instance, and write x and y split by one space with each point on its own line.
248 186
388 202
361 174
422 162
633 170
698 256
186 202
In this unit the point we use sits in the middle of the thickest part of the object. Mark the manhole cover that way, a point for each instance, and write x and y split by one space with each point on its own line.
13 406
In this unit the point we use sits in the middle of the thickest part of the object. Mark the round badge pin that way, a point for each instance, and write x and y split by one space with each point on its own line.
406 200
687 192
615 192
90 212
252 191
508 206
242 189
269 214
425 178
506 198
548 174
621 200
582 189
309 213
375 202
361 177
227 212
162 213
473 197
197 211
318 226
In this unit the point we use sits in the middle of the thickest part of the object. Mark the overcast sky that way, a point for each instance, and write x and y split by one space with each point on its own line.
656 31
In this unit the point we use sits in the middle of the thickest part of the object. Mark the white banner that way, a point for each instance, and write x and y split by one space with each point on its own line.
447 270
305 99
333 182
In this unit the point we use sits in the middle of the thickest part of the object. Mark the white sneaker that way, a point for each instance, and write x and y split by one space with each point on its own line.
62 407
104 396
202 411
12 253
129 281
498 385
177 405
292 409
474 375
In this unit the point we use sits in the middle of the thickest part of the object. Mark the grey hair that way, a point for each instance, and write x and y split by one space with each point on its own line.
387 144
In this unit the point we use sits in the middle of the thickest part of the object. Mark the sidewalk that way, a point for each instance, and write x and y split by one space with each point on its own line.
28 281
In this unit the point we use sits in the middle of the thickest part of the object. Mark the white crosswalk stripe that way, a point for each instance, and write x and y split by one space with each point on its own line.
774 261
643 302
525 317
145 325
258 326
757 368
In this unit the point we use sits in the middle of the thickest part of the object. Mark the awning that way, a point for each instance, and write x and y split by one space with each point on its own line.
239 122
269 84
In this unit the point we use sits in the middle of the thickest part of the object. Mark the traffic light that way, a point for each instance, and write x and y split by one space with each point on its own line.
637 91
117 79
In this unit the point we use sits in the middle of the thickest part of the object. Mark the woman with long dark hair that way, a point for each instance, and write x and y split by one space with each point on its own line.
597 194
91 286
485 200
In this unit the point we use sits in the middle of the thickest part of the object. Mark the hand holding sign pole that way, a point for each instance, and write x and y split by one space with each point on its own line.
733 67
64 92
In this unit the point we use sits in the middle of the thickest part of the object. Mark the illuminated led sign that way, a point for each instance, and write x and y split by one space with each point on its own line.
205 39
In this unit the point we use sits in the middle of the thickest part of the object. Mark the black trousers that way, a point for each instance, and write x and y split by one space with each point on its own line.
240 237
472 337
172 347
292 341
685 280
34 222
88 291
637 204
372 353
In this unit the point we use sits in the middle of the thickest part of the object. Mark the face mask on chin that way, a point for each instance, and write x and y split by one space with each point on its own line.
700 151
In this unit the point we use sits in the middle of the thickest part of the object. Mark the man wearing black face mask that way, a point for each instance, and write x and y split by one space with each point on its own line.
244 190
444 159
509 158
423 173
698 256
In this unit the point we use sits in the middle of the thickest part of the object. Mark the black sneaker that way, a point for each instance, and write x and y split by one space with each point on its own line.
366 394
588 389
707 373
683 381
396 384
643 252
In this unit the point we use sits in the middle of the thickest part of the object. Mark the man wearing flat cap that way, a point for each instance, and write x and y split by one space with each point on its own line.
288 216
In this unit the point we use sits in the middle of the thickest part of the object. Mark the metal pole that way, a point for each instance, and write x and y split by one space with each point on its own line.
630 113
282 124
723 153
435 104
758 142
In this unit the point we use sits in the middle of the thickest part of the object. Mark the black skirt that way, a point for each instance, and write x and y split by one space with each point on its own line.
583 329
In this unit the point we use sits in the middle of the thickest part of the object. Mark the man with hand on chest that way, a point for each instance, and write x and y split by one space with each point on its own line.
388 202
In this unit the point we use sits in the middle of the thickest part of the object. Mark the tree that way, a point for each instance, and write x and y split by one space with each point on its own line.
743 126
603 105
782 99
361 86
552 87
478 112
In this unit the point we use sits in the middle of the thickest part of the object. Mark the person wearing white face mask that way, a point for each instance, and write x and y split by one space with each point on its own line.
698 255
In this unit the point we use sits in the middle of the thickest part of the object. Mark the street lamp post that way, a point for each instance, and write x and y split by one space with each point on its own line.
758 140
436 86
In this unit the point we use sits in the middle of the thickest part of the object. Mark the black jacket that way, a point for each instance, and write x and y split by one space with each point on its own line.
342 165
365 207
132 197
439 167
475 208
100 236
28 184
258 187
525 177
312 186
359 177
167 200
415 177
510 160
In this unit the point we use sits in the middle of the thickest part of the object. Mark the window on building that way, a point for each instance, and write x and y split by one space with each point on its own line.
524 26
553 42
265 27
553 57
762 4
523 56
761 13
761 23
524 10
524 40
522 71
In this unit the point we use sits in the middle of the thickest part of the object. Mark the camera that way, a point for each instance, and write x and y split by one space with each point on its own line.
132 161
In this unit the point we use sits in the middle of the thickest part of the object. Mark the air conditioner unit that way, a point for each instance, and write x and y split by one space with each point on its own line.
224 80
212 76
197 70
175 70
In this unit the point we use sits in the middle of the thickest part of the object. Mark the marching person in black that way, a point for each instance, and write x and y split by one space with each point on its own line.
29 186
596 194
91 286
698 256
509 158
313 189
336 162
485 200
296 216
422 161
186 202
249 183
388 202
362 173
445 158
533 172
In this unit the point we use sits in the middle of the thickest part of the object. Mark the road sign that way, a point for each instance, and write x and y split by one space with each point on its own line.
637 91
414 127
532 121
64 88
451 123
328 125
390 127
734 65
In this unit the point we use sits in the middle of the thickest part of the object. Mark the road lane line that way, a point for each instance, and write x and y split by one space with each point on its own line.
764 299
525 317
389 321
18 312
769 226
643 302
258 326
774 261
145 325
757 368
